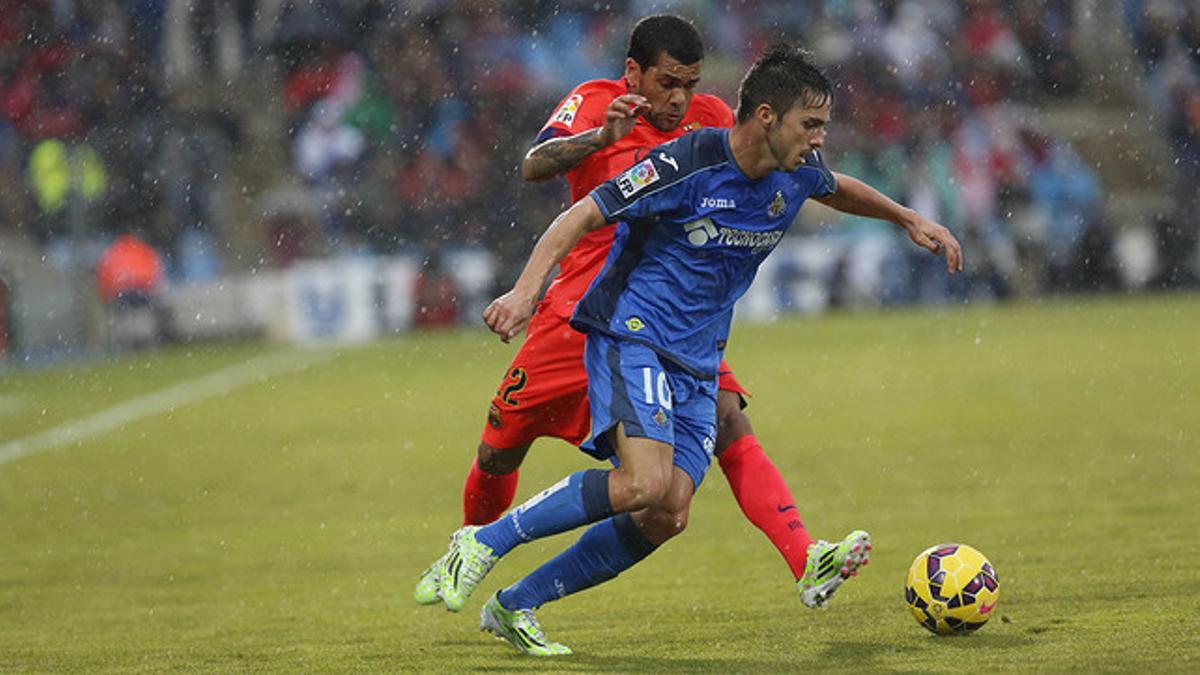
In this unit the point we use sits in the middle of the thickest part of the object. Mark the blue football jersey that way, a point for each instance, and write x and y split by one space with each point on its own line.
692 232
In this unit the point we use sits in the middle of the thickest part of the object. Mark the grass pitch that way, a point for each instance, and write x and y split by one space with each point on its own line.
280 527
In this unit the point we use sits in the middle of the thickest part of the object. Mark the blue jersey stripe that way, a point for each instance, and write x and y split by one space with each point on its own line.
605 291
616 215
622 408
674 163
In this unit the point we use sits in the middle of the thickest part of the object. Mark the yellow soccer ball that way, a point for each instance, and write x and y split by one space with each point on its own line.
952 588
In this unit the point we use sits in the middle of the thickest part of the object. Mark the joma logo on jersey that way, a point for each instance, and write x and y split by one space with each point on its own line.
638 177
566 113
717 203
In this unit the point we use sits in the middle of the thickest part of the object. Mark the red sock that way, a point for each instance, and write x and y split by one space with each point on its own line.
487 495
766 500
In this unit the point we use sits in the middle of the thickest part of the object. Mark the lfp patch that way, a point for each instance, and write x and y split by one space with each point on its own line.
566 113
633 180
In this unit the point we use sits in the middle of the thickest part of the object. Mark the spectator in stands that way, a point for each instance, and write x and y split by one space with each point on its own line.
1044 30
59 174
1068 195
437 294
129 277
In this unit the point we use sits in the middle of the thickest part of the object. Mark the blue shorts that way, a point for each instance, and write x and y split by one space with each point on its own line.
629 383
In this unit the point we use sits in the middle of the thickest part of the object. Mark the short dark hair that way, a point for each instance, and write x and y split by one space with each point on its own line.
665 33
781 76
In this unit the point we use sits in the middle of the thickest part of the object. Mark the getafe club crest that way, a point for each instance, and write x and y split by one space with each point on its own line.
660 417
778 204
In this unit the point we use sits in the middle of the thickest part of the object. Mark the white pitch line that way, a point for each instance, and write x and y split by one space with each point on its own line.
216 383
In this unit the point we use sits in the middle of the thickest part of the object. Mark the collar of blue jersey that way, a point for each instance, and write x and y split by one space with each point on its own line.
729 154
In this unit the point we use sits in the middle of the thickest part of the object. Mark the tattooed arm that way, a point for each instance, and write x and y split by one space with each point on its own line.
559 155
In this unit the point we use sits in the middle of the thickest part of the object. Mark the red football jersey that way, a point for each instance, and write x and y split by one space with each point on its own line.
584 109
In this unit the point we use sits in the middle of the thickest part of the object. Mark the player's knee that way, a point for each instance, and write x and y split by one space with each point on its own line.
647 489
500 461
674 523
732 423
659 525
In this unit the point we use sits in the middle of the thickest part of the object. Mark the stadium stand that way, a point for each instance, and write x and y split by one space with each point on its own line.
243 137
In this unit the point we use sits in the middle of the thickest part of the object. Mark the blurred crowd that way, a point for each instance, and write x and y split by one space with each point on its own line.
1166 40
400 125
92 145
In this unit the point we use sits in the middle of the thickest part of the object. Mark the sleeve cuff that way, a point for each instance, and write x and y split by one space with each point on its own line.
549 133
603 209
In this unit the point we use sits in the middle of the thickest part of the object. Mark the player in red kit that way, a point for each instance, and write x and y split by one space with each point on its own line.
602 128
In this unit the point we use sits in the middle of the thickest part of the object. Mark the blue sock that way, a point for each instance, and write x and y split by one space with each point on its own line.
604 551
578 499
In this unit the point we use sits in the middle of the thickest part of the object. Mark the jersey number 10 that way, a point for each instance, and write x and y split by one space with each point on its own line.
651 387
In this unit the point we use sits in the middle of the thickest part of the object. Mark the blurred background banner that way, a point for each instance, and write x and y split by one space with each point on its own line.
317 170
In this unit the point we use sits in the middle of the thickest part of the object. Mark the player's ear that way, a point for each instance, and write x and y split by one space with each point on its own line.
633 74
766 114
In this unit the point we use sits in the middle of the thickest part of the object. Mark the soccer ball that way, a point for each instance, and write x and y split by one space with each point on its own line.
951 588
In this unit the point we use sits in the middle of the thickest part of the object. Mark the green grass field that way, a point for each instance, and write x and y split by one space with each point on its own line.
281 526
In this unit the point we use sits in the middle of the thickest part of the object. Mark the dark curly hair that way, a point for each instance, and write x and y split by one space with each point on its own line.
665 33
782 75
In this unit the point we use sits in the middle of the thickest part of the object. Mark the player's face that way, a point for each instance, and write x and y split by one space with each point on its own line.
669 86
800 130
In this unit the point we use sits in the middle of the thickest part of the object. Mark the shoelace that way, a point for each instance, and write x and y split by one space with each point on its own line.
532 626
476 568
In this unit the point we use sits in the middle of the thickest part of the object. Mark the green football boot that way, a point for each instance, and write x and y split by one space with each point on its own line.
520 627
466 564
830 565
426 592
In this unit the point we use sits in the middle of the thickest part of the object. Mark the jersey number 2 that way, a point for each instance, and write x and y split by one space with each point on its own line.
519 380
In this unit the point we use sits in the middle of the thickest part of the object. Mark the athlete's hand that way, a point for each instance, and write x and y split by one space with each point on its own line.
509 314
621 116
937 239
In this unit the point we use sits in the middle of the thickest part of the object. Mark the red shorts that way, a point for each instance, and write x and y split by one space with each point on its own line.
544 390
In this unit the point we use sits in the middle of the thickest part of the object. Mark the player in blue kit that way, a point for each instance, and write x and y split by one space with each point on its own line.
696 218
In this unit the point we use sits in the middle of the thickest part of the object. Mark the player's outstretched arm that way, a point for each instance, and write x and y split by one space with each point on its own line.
509 314
856 197
557 156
